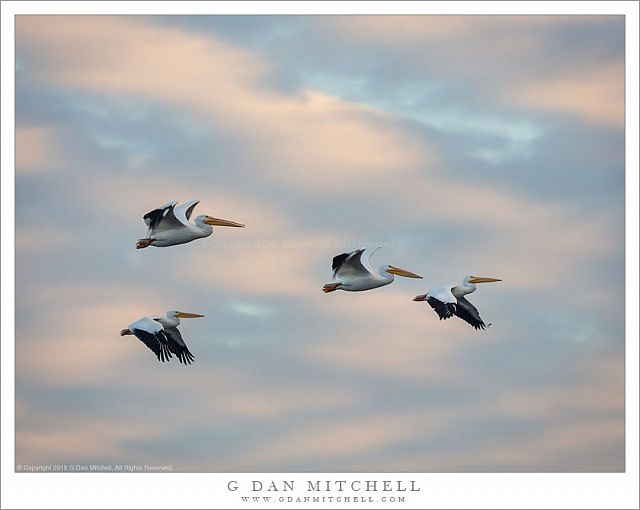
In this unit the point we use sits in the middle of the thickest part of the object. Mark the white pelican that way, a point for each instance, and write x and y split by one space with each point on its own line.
161 335
449 300
351 275
169 225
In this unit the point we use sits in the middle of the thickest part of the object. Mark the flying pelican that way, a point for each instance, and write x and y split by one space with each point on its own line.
169 225
161 335
450 300
351 275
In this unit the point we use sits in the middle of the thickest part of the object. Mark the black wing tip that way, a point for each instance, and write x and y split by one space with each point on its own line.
474 323
482 325
152 218
156 212
186 358
338 260
164 354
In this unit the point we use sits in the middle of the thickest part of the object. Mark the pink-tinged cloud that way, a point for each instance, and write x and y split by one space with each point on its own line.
525 234
342 438
311 141
510 55
601 392
309 138
262 220
253 270
405 31
82 344
401 30
37 147
284 402
595 95
288 401
83 439
29 239
362 335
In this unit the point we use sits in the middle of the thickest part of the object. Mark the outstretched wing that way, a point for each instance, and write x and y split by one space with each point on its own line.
162 218
469 313
178 347
442 301
183 212
152 334
349 264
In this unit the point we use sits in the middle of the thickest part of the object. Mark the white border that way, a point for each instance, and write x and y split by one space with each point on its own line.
209 490
321 7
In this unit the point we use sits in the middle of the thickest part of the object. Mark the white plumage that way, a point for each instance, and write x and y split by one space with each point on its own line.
450 300
161 335
350 274
169 225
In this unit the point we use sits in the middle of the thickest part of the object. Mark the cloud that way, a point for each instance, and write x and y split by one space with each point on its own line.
36 149
342 438
385 31
261 219
81 344
282 402
253 271
526 235
287 377
596 95
337 143
31 238
363 336
77 443
450 48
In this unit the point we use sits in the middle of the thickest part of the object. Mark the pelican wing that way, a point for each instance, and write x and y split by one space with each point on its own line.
349 264
183 211
163 218
469 313
443 302
178 347
152 334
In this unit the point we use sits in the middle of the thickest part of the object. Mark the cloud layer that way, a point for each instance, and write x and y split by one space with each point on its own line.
457 152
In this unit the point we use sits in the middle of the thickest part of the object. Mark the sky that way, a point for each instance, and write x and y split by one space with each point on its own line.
491 146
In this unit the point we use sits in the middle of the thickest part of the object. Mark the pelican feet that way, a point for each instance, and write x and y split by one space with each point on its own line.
143 243
330 287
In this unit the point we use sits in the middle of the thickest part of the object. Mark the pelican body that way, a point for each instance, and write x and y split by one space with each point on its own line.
350 274
450 300
169 225
161 335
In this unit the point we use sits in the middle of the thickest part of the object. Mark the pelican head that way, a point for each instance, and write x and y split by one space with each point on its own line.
401 272
175 314
125 332
481 279
210 220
